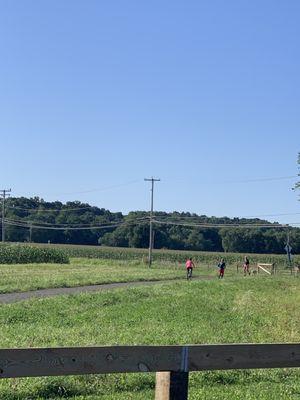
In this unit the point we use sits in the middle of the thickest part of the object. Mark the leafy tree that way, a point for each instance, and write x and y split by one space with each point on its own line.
133 231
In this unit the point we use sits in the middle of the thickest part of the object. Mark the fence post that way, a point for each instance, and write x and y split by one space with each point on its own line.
179 385
162 386
171 386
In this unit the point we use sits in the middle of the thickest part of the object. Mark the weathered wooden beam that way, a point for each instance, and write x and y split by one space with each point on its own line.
88 360
243 356
117 359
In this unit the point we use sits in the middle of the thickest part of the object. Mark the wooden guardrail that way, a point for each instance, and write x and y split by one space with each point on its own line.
267 268
172 363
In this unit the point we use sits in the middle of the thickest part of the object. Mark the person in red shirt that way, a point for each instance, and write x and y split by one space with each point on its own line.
189 265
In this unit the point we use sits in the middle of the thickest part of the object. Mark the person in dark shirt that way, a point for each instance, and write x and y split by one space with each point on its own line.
221 266
246 266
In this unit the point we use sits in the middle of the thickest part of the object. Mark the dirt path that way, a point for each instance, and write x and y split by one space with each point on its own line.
7 298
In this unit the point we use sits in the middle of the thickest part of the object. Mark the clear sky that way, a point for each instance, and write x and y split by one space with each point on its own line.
202 94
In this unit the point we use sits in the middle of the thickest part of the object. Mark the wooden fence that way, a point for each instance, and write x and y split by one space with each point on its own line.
171 363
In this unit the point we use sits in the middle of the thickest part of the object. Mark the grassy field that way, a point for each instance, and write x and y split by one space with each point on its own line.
252 309
24 277
85 271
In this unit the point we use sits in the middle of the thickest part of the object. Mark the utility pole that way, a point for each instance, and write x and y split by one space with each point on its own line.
288 249
4 193
152 180
30 233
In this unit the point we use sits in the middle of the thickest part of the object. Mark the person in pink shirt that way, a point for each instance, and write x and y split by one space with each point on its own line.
189 265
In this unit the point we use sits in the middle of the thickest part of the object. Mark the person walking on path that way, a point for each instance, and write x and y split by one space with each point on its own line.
189 265
221 266
246 266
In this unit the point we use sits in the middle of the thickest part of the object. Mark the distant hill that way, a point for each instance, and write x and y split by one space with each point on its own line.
33 219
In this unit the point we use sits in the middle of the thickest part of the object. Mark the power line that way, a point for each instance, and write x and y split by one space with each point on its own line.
197 217
250 180
55 228
51 210
103 189
270 215
138 180
233 225
72 193
66 225
16 224
142 220
24 221
167 218
89 207
130 223
269 179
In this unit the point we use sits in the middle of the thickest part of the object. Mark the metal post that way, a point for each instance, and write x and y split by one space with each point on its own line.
152 180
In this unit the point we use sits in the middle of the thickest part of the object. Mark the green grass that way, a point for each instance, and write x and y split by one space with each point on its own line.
19 277
254 309
84 271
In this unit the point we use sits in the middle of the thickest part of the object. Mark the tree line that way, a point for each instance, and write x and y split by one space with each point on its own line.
27 218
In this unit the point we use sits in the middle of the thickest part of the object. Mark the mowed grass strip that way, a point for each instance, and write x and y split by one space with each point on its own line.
84 271
254 309
25 277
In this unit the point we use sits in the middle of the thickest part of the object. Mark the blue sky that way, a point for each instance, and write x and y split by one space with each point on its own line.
204 95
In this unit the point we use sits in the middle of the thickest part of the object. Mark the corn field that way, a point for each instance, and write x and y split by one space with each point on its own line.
26 254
